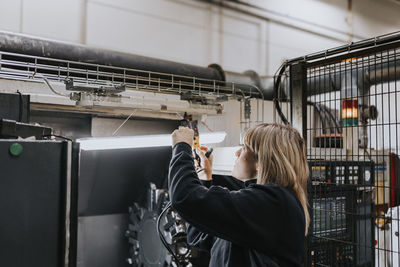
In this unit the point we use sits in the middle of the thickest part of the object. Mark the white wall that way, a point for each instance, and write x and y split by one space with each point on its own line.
200 33
384 132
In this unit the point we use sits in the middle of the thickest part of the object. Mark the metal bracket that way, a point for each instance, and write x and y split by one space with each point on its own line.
247 108
96 89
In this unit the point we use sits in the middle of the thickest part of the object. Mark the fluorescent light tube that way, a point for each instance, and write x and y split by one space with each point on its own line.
122 142
212 138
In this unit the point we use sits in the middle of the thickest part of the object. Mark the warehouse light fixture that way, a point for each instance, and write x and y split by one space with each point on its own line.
103 143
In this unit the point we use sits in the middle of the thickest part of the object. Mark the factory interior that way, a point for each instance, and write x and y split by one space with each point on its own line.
91 91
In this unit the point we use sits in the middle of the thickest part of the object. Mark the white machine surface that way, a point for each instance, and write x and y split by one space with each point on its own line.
224 160
388 240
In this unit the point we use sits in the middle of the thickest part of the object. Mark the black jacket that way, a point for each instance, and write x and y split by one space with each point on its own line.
260 225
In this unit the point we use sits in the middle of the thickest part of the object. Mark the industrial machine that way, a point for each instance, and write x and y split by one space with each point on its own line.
82 84
343 100
341 197
145 225
34 186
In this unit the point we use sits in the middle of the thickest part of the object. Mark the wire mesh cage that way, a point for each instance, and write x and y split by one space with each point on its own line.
345 102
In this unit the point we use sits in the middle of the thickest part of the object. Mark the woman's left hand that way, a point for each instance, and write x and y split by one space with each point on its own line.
206 163
183 134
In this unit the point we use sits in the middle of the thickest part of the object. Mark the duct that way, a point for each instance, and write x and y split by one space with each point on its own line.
384 72
18 43
354 82
249 81
248 84
351 83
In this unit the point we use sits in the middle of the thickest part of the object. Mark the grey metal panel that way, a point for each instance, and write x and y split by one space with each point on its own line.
32 206
14 107
69 125
102 241
73 216
111 180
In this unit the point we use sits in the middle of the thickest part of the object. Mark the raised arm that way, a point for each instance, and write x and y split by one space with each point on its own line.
217 211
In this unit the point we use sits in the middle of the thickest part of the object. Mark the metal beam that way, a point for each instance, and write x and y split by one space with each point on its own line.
298 103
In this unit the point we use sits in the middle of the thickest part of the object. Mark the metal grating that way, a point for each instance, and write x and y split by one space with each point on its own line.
348 99
203 91
22 67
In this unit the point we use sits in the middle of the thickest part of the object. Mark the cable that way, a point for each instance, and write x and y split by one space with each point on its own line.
334 118
49 85
366 152
168 206
166 245
205 125
318 108
331 122
180 116
122 124
21 106
276 89
58 136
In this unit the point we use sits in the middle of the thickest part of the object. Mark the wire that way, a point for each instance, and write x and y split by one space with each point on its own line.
366 152
324 109
166 245
21 106
122 124
179 116
334 118
207 127
49 85
276 89
322 117
58 136
331 122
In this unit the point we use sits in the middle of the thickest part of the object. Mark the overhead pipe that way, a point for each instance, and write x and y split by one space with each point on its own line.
248 82
356 83
359 80
29 45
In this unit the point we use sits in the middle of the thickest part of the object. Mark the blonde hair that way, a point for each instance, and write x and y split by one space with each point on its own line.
281 155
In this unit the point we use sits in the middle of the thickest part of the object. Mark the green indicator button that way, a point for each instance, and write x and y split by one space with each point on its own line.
16 149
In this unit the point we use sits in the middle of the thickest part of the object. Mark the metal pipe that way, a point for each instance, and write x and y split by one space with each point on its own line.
384 72
364 77
248 82
18 43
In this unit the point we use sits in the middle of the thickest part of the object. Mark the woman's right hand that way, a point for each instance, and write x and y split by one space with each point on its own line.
206 165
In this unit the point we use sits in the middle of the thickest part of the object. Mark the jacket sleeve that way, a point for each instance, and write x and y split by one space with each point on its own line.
195 238
217 211
198 239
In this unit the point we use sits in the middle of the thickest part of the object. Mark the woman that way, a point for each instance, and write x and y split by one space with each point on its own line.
263 224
